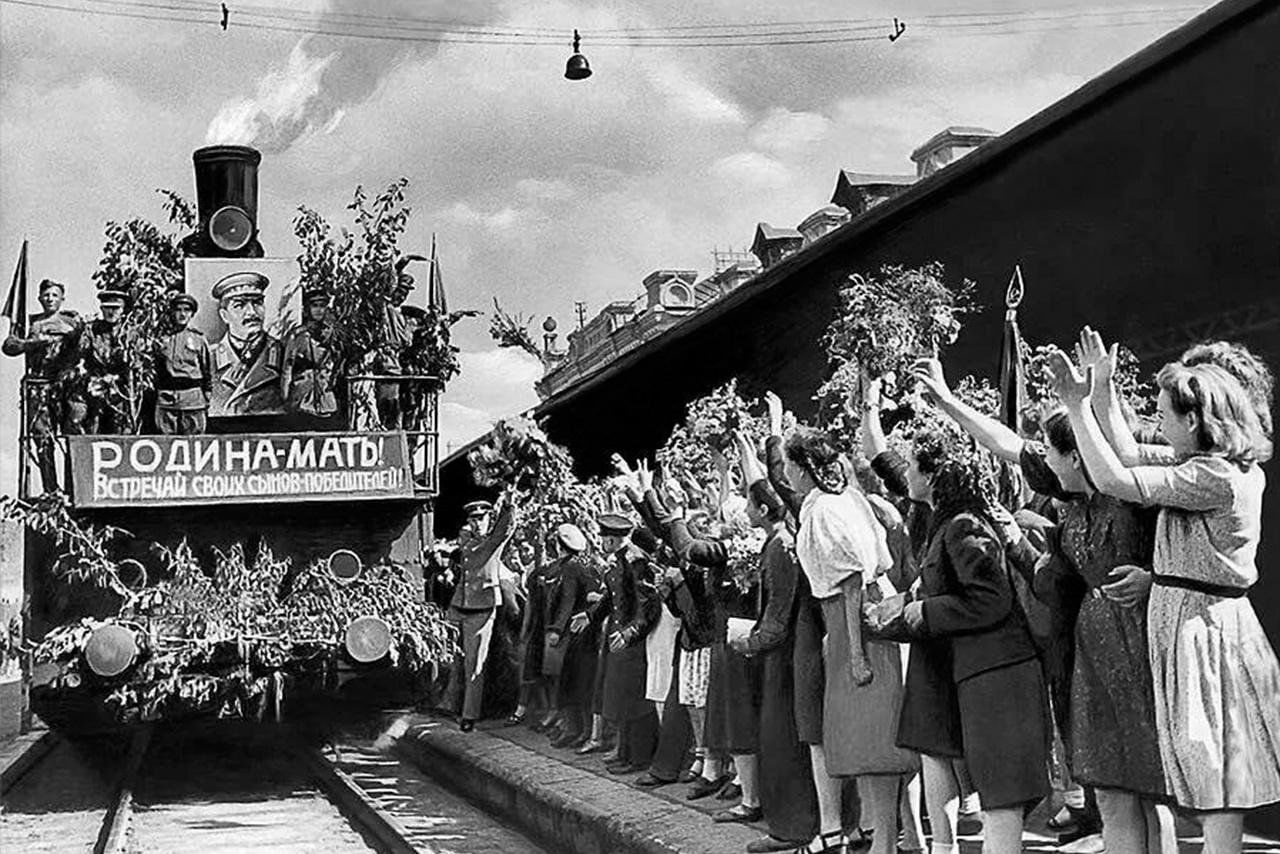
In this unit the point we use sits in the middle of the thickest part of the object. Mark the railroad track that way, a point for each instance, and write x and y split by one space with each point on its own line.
258 790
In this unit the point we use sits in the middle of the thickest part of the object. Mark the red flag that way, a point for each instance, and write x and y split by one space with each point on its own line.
1013 382
15 307
435 292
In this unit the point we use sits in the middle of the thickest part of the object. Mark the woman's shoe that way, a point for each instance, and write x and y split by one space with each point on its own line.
740 814
825 843
592 746
648 781
514 719
702 787
729 792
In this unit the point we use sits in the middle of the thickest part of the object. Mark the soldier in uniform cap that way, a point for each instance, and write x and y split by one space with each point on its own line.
184 373
48 347
99 404
306 379
630 608
477 596
247 360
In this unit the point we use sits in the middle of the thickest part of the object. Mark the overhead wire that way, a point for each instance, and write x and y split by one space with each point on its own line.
414 30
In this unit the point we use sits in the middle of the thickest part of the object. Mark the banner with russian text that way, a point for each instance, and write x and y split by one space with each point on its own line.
132 471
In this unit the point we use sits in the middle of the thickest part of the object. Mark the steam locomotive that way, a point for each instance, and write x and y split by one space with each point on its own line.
338 512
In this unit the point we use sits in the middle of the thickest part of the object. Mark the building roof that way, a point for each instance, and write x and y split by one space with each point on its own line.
869 179
1042 125
955 133
764 231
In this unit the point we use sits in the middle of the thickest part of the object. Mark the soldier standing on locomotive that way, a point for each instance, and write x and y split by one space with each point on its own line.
98 402
48 346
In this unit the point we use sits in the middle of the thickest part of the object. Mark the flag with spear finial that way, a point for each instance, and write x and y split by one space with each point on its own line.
15 307
1013 381
435 293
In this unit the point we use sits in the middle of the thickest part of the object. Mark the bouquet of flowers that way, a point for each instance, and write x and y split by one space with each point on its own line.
884 323
710 423
517 453
744 546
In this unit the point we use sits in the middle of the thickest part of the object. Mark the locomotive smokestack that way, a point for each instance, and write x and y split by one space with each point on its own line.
227 201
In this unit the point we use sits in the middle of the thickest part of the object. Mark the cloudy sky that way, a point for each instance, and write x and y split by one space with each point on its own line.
543 192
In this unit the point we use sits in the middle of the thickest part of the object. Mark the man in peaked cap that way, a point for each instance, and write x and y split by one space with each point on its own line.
307 370
184 373
99 403
247 360
630 606
49 352
477 596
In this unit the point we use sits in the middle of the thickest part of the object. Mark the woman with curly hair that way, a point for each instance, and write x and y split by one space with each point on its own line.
842 549
1214 672
992 706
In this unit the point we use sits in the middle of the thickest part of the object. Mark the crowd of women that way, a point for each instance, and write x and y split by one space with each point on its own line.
937 618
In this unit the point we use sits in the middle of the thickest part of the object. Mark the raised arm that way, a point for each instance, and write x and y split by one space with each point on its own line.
775 466
874 442
1109 474
710 553
989 432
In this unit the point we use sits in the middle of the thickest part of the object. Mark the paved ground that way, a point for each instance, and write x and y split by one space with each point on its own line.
710 837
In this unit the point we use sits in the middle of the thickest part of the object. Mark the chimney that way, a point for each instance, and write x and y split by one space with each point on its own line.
227 202
947 147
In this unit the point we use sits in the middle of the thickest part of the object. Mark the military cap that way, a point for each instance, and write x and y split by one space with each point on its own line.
314 293
236 284
614 525
477 508
413 311
179 298
111 295
45 284
571 537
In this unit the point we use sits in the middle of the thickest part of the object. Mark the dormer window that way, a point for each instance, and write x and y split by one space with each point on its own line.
679 296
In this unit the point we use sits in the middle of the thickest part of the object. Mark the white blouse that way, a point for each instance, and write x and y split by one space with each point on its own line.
840 535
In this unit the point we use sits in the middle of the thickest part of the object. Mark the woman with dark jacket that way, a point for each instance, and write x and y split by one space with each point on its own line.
993 703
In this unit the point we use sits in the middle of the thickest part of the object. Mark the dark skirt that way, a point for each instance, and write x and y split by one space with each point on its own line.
624 678
577 681
786 778
860 722
1005 718
1114 743
531 637
809 674
930 719
733 702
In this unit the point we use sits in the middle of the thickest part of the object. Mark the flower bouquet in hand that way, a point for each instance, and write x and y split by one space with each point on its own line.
709 424
515 454
885 322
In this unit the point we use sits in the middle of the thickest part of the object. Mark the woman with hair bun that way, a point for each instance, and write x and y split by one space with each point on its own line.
842 549
1215 674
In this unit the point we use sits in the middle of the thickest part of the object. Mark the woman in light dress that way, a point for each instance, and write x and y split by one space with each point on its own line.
1215 675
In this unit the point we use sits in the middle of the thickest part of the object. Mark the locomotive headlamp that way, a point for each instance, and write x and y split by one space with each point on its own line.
368 639
230 228
345 565
111 650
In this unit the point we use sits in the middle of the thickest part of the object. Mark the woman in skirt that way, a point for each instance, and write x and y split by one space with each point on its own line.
842 549
966 596
1215 674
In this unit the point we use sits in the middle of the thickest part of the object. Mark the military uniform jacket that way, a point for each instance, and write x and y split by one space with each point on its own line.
308 363
101 350
480 565
630 595
184 371
247 388
46 359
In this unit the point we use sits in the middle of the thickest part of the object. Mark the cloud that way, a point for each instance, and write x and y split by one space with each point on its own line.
752 169
503 219
494 384
692 98
784 131
553 190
